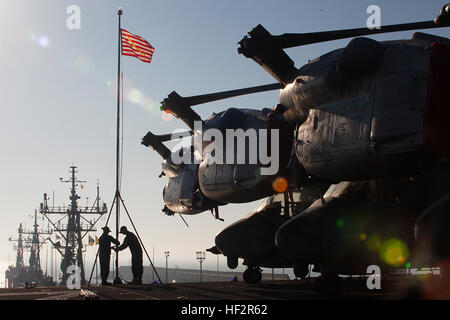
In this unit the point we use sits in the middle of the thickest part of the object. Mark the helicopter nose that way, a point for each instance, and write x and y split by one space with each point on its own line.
228 239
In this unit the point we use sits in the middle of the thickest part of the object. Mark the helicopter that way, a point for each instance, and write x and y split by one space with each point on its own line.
195 183
342 108
368 117
346 104
252 238
372 111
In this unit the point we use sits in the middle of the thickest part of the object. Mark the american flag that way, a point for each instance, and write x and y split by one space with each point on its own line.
136 46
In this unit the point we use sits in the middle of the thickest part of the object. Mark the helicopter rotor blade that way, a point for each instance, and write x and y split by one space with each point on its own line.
177 106
174 136
260 47
289 40
180 106
205 98
155 142
267 50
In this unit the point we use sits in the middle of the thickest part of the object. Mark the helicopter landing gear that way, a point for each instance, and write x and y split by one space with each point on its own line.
329 284
232 262
252 275
301 270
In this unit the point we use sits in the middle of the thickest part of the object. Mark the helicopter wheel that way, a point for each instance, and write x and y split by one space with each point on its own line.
301 270
252 275
329 284
232 262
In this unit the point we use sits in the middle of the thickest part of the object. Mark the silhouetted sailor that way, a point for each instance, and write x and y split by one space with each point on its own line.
104 253
132 242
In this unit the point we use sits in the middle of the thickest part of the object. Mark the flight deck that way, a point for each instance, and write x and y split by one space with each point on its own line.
395 288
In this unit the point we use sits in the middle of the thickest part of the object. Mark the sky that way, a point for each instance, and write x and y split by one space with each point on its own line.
58 98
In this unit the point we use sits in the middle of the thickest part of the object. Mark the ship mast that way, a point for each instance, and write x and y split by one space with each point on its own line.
75 229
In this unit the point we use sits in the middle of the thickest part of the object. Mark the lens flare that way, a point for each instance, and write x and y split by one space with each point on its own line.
83 64
374 243
135 96
340 222
43 41
30 35
363 237
394 252
166 116
150 106
280 185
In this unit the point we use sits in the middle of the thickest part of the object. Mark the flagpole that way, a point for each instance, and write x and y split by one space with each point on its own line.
146 57
117 278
